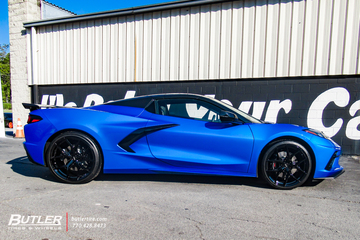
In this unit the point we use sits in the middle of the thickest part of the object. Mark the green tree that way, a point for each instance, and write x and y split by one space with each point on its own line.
5 72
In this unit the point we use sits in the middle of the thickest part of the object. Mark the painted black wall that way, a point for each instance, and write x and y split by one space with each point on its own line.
301 91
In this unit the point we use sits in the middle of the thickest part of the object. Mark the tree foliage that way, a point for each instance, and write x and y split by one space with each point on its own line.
5 72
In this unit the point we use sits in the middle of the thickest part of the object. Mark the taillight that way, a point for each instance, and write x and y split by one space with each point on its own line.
34 119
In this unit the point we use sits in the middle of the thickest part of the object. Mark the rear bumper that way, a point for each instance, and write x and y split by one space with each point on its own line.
29 156
36 136
33 154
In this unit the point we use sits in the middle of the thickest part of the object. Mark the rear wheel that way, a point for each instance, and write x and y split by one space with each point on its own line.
74 157
286 165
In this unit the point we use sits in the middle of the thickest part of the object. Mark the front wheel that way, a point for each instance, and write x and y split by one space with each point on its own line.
286 165
74 157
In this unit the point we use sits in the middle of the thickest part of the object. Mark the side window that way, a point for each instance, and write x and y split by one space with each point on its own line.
151 107
189 108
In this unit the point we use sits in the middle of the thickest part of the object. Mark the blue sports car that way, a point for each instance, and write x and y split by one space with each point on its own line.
175 133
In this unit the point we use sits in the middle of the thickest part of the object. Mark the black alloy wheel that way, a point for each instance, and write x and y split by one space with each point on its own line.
286 165
74 157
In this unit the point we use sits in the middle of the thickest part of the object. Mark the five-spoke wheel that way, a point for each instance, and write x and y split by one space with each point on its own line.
286 165
74 157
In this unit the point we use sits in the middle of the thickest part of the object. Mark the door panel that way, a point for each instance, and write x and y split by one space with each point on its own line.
202 144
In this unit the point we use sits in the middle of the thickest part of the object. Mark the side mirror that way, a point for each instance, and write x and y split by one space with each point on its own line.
228 117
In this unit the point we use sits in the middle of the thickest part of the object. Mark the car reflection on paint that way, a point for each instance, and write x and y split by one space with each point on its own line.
175 133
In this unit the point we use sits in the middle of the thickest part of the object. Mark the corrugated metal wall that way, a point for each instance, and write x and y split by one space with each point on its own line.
239 39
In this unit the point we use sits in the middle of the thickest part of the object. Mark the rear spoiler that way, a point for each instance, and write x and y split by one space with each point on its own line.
33 107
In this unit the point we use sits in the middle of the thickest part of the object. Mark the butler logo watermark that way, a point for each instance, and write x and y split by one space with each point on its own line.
53 222
19 222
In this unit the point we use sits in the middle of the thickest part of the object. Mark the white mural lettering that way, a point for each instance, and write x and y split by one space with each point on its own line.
44 99
53 100
70 104
258 109
352 131
340 96
245 106
93 99
59 100
274 108
129 94
227 102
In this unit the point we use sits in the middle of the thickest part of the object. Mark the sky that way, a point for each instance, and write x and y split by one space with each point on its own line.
75 6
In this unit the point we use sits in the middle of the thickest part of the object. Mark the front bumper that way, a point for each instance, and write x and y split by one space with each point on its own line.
339 173
327 166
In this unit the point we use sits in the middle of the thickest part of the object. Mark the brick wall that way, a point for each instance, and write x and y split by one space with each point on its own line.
20 11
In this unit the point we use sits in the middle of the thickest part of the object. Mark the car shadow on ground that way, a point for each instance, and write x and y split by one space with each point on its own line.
24 167
199 179
183 178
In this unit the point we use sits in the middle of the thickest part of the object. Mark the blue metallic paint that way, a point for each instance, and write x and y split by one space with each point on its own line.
193 146
198 144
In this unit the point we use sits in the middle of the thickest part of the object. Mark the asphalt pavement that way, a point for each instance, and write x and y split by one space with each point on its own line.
33 205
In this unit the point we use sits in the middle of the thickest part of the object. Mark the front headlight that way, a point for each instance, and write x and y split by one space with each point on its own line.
316 133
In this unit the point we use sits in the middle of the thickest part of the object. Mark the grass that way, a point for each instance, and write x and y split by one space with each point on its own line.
7 107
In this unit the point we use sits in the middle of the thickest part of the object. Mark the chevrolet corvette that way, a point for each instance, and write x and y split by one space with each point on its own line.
175 133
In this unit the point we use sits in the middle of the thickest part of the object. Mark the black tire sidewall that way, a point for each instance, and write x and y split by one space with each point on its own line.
270 150
93 146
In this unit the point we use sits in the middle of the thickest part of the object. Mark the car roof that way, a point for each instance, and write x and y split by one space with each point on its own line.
143 101
146 101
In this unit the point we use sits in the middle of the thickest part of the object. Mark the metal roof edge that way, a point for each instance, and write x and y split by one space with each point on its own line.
122 12
63 9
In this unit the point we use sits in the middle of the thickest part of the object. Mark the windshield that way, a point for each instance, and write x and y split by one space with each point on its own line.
242 115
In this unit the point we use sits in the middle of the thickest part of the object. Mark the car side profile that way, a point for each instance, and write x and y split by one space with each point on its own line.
175 133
